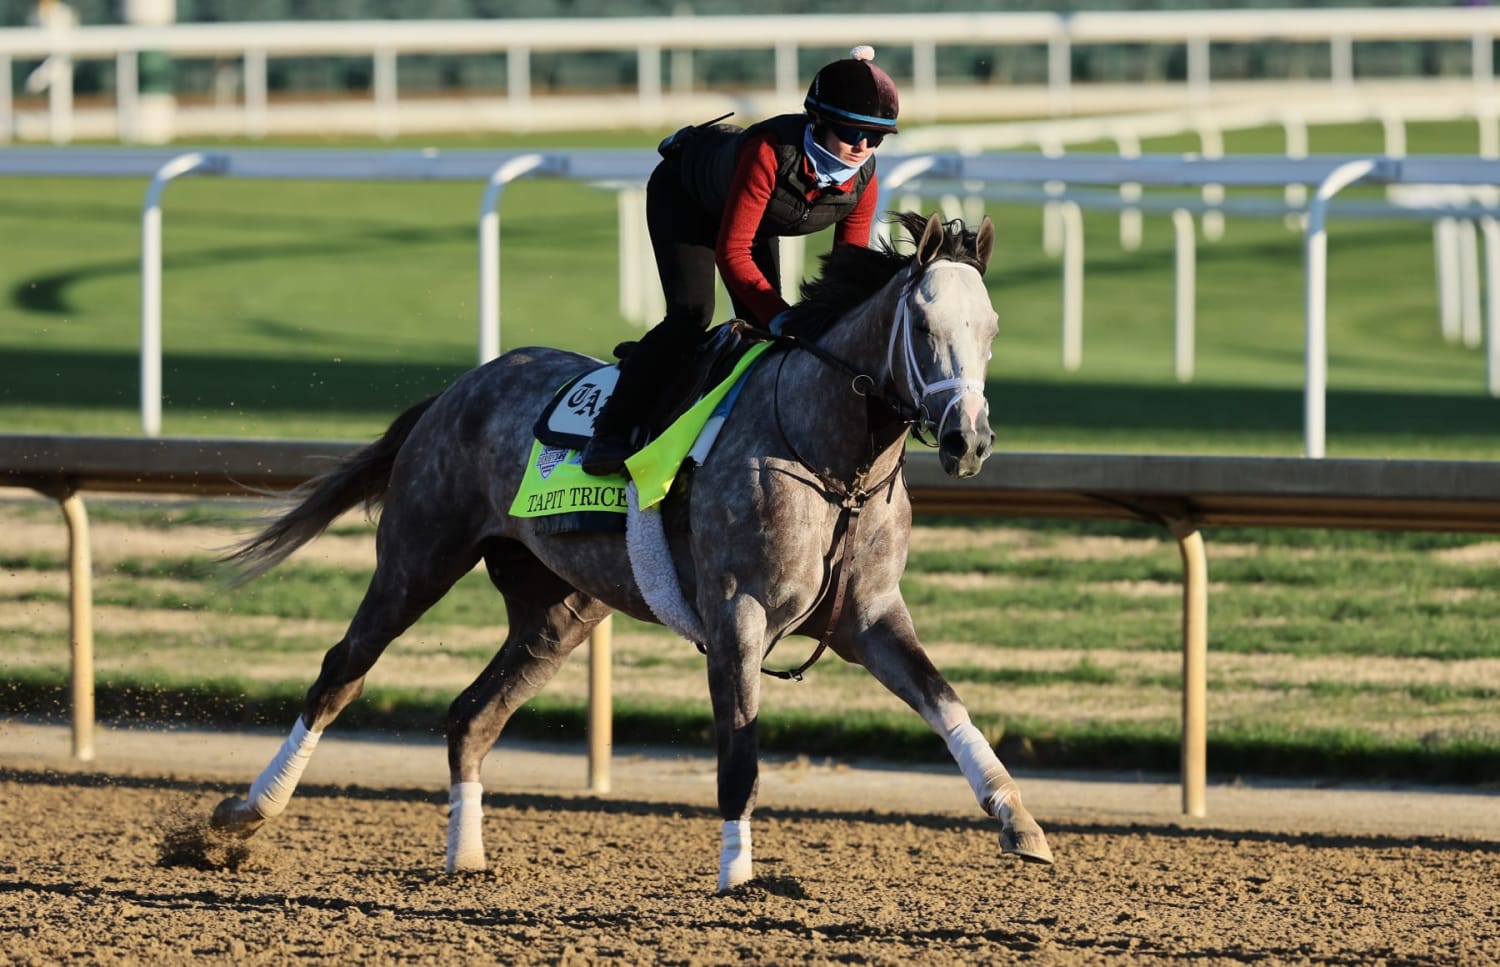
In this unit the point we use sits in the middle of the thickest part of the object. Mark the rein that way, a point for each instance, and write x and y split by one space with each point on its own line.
851 500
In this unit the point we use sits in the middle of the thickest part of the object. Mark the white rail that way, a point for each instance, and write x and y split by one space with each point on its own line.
385 42
936 172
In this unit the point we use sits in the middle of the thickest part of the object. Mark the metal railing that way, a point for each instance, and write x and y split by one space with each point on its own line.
1181 493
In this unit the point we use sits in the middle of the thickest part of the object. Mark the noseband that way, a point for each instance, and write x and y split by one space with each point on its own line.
917 387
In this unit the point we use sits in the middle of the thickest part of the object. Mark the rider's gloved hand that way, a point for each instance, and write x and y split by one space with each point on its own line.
779 320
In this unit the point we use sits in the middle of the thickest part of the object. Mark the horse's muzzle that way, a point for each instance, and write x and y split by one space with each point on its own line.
962 450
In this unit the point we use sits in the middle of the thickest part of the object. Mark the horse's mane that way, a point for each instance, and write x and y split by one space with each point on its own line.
853 273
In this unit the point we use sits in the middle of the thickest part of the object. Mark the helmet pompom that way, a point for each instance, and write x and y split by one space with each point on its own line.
862 52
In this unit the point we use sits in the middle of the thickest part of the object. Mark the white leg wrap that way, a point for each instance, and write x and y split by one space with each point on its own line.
992 785
272 789
465 835
735 865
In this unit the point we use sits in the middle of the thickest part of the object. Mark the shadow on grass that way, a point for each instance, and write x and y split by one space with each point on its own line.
82 379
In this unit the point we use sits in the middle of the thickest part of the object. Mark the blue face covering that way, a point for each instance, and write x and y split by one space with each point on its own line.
826 165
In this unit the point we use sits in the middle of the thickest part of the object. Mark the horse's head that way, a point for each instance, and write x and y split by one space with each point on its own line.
940 340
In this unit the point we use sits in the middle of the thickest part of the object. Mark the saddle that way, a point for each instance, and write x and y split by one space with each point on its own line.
568 420
708 365
684 424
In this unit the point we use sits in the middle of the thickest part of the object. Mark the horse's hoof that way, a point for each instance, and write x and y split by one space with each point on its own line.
236 817
1025 839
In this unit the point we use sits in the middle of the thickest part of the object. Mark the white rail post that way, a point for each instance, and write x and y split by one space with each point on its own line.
489 245
1482 47
1491 229
1315 300
7 102
1060 68
1294 126
59 79
518 84
648 84
924 79
257 114
1052 228
1341 62
1199 70
680 65
630 202
1128 145
1393 130
1471 324
127 96
784 58
1212 141
151 279
791 255
387 120
1488 119
1184 318
1071 216
1445 250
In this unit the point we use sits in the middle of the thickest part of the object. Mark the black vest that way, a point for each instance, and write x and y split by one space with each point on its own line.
709 158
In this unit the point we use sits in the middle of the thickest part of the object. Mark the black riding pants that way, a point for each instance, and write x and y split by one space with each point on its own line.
683 236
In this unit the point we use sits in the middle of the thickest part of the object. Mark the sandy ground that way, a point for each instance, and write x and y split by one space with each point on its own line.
857 863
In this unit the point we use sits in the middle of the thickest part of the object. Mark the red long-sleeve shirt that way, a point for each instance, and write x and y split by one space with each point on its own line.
749 192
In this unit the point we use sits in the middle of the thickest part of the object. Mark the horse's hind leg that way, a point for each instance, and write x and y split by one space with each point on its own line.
548 619
411 575
890 650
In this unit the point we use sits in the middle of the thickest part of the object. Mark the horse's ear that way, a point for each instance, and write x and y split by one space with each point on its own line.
931 242
984 243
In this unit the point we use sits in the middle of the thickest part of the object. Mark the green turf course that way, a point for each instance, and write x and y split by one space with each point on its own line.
322 308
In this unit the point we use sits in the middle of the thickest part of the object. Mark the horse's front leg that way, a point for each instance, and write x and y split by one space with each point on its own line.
889 648
734 688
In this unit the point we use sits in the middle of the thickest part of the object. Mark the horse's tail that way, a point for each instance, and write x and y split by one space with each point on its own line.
362 477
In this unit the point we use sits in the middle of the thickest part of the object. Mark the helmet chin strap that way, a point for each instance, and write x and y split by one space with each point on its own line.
916 386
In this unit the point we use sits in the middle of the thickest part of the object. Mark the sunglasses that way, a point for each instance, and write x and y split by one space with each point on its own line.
851 135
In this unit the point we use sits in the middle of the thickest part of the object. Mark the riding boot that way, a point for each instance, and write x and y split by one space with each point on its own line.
650 365
614 428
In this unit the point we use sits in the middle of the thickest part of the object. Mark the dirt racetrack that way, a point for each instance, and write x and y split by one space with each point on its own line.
98 865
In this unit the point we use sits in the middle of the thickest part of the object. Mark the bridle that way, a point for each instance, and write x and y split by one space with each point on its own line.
910 408
917 387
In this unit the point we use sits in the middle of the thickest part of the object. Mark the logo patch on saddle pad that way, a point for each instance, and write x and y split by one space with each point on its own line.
554 483
568 420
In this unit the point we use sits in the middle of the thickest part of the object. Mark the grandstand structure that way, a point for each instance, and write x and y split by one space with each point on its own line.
97 69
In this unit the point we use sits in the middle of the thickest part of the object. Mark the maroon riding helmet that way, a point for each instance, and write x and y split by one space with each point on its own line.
855 92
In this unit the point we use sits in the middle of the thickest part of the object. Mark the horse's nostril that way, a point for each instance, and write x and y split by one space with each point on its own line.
954 442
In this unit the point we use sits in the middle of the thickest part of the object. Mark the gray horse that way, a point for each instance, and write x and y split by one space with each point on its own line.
798 523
